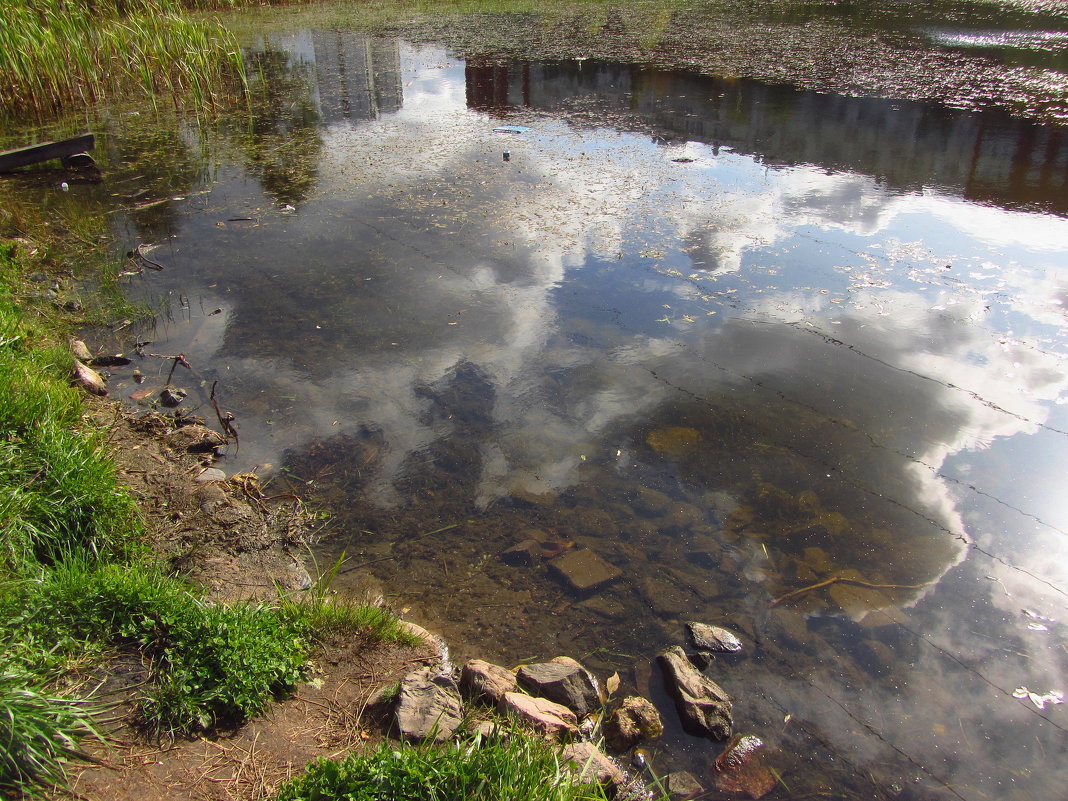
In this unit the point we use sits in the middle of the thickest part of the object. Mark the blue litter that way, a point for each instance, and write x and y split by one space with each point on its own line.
510 129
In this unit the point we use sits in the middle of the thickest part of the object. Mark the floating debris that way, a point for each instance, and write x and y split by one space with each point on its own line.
1052 697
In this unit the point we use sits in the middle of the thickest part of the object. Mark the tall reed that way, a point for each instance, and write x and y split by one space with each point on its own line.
55 53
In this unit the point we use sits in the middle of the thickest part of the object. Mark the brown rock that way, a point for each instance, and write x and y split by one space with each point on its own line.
541 714
740 770
485 682
635 720
592 765
584 570
682 786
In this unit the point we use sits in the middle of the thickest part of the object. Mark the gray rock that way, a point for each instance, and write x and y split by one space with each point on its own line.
524 554
210 474
703 706
485 682
584 570
541 714
565 682
80 351
632 722
712 638
428 708
428 640
592 765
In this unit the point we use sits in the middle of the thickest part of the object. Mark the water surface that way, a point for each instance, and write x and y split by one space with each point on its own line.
736 338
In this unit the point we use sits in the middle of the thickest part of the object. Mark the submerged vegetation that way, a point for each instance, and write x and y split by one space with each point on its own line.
55 53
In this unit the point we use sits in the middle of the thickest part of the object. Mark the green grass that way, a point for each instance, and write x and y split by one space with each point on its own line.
519 767
39 730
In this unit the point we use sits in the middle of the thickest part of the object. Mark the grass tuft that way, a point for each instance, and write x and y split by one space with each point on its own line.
39 733
519 767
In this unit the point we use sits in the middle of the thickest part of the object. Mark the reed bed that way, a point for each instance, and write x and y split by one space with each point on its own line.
59 53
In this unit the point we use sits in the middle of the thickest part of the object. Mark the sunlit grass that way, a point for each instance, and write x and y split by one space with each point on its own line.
39 732
518 767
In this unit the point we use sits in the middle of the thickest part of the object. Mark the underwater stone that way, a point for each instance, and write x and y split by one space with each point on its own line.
584 570
665 597
524 554
740 771
592 765
172 396
682 785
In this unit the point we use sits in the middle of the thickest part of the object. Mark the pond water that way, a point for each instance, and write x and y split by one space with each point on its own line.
785 361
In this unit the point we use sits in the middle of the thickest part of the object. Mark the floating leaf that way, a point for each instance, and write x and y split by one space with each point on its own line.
612 683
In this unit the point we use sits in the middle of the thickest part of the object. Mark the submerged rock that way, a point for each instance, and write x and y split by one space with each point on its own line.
632 722
740 770
524 554
485 682
428 708
705 709
584 570
172 396
565 682
682 785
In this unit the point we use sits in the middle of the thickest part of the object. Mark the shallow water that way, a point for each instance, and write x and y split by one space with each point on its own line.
735 338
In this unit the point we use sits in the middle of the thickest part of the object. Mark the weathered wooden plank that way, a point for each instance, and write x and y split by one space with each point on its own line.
63 148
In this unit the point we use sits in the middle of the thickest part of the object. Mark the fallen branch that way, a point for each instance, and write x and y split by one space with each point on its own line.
845 580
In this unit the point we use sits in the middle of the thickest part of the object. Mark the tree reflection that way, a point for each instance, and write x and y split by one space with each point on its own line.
282 144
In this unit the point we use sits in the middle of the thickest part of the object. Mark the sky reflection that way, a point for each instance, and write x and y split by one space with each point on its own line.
896 350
